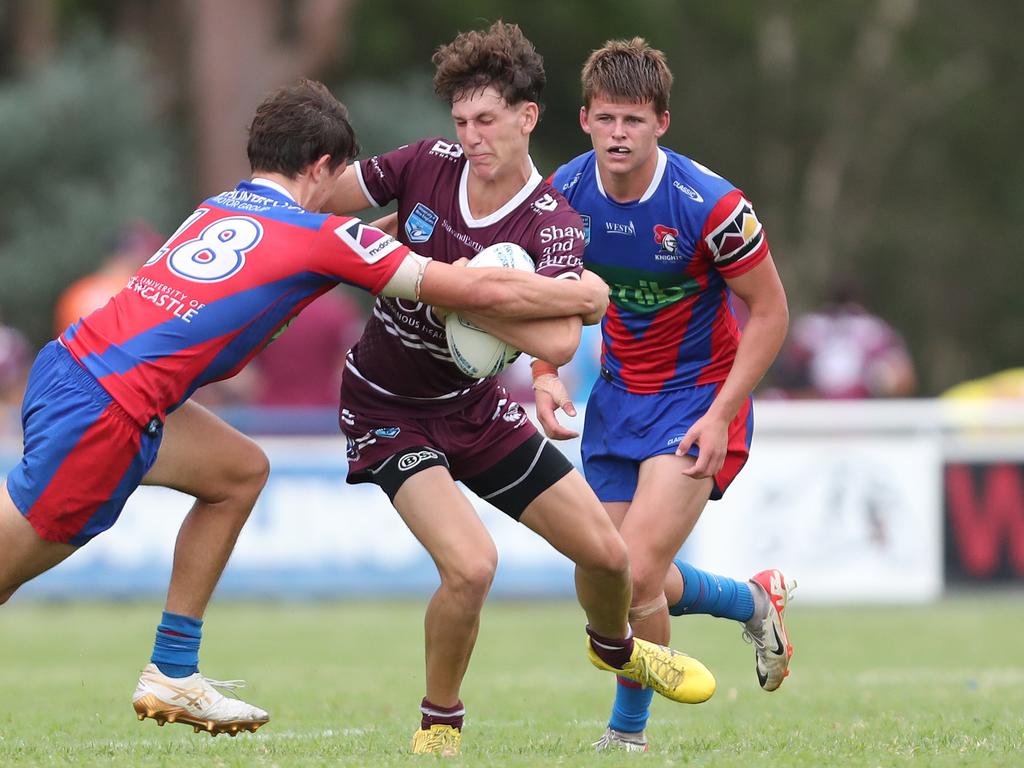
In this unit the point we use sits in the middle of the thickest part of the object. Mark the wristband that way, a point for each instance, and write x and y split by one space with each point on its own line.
542 368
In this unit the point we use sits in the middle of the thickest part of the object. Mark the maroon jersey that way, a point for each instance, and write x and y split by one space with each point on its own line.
402 358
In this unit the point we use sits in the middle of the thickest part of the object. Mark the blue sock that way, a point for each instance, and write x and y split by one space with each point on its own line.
176 649
632 706
705 592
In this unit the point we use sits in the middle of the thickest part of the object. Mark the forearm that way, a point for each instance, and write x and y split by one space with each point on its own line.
522 295
554 339
762 338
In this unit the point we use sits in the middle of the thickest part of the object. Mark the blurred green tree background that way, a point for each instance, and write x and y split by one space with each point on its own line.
879 139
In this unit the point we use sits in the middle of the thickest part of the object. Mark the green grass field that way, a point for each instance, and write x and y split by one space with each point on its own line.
938 685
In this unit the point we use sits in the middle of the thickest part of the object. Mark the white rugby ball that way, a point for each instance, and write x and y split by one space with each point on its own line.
475 352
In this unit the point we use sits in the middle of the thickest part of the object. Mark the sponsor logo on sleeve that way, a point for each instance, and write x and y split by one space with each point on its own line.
545 204
446 150
420 224
370 243
740 235
586 228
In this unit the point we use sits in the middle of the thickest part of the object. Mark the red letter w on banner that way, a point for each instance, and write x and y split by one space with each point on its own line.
982 525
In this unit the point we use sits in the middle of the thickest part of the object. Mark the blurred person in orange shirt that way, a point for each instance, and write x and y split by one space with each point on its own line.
136 243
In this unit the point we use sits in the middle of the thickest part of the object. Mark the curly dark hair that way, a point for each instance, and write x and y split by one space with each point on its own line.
501 57
295 126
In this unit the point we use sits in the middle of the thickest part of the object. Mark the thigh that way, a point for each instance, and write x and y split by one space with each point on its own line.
569 516
443 520
202 455
662 514
26 554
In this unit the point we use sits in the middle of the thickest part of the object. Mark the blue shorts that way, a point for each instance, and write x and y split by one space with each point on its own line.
84 455
622 429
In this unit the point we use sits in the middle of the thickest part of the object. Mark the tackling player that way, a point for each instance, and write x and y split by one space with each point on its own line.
669 422
415 424
107 404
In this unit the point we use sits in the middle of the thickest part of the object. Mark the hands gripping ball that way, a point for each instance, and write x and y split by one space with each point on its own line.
476 353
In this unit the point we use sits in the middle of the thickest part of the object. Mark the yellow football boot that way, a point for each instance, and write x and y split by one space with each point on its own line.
443 740
674 675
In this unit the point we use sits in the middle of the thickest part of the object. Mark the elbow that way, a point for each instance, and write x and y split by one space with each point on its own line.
559 349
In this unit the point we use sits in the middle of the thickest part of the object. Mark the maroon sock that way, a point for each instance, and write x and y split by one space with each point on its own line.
613 651
435 715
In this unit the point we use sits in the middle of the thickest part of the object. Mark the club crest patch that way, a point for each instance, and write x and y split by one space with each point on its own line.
420 224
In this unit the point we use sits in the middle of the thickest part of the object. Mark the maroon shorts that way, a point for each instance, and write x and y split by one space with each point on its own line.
471 440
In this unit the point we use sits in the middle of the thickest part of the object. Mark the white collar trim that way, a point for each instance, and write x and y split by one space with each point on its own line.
531 184
659 172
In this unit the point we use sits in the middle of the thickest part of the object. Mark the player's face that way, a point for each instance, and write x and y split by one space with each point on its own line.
494 136
625 135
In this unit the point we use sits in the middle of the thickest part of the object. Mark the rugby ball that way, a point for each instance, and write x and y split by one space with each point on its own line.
475 352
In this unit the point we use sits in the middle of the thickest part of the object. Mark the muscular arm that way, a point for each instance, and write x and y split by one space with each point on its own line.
554 339
495 292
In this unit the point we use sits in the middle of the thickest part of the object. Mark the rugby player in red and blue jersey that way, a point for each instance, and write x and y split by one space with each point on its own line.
669 421
107 404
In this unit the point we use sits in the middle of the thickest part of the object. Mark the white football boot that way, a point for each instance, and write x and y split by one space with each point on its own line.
195 701
618 740
767 632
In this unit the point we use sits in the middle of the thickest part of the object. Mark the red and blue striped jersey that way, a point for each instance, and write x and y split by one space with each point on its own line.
665 257
227 281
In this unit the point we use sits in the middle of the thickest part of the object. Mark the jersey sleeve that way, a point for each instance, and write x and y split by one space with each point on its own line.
353 252
733 238
382 177
557 244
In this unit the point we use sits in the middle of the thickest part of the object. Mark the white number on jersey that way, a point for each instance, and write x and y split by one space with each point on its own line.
218 252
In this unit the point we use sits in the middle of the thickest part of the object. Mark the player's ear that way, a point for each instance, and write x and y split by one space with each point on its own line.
321 167
528 116
583 119
663 120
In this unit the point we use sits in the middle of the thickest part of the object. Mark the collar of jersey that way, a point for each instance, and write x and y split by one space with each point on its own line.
259 181
659 171
517 199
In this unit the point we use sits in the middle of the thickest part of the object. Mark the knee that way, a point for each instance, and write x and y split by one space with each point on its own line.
648 580
471 579
608 556
249 473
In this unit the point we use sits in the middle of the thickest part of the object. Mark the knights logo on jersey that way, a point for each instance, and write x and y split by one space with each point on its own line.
369 242
740 235
586 228
668 239
420 224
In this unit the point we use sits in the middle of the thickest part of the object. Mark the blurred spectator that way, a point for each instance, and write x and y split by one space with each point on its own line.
302 368
136 243
15 359
843 351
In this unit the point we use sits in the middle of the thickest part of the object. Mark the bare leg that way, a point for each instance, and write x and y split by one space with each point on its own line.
23 554
204 457
664 510
571 518
446 524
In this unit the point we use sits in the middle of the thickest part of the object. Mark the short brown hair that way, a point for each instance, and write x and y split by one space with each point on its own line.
501 57
628 71
295 126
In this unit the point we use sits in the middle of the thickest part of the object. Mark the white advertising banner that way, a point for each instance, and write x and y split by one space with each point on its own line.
852 518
